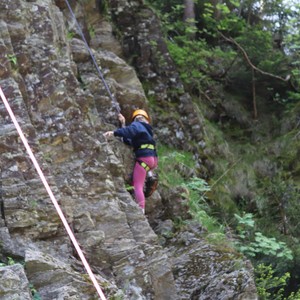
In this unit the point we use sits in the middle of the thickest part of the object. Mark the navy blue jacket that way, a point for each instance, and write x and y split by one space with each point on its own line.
137 134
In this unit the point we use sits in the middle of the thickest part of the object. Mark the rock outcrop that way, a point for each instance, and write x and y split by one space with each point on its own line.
61 104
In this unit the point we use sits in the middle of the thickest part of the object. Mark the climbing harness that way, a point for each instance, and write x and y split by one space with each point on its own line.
147 146
144 165
114 101
51 195
151 181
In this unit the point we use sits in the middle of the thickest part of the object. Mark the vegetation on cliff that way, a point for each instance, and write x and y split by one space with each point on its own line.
240 62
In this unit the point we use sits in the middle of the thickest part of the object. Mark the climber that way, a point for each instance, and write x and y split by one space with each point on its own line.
139 135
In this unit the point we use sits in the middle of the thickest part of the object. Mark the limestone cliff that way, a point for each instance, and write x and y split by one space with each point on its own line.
61 104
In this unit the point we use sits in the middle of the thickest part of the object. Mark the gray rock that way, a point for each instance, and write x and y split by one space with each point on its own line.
14 283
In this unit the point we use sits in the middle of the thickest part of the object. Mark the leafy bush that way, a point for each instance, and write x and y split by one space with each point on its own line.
271 287
174 170
173 165
199 208
279 201
255 244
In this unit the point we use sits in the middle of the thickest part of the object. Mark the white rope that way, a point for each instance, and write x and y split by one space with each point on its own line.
54 201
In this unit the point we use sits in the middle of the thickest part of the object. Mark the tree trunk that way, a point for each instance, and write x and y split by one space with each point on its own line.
189 10
189 16
254 95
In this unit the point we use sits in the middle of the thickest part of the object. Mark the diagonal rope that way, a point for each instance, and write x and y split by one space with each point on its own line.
116 104
52 197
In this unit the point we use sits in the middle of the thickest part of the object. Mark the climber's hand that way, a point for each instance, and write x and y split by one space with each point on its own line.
121 119
108 134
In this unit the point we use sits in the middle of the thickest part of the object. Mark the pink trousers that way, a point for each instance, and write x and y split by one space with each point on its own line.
139 176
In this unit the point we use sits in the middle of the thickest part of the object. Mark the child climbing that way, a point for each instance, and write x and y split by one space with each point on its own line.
139 135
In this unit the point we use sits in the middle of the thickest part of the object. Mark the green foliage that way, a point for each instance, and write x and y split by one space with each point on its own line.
245 221
70 35
12 58
103 7
116 297
266 282
271 287
179 223
198 185
255 244
291 42
269 35
129 187
279 202
270 247
220 18
262 47
189 58
274 27
10 261
199 208
34 293
230 23
91 30
197 63
174 165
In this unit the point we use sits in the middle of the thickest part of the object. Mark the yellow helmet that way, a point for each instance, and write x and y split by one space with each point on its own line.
140 112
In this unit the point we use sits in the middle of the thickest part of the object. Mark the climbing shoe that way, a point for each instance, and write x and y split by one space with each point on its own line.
150 184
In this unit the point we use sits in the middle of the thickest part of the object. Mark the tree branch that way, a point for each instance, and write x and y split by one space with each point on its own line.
231 40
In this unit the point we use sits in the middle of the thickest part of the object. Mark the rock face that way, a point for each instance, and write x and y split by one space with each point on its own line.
205 272
14 283
144 45
63 107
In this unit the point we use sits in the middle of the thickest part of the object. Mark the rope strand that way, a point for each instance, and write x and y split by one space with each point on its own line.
116 104
52 197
